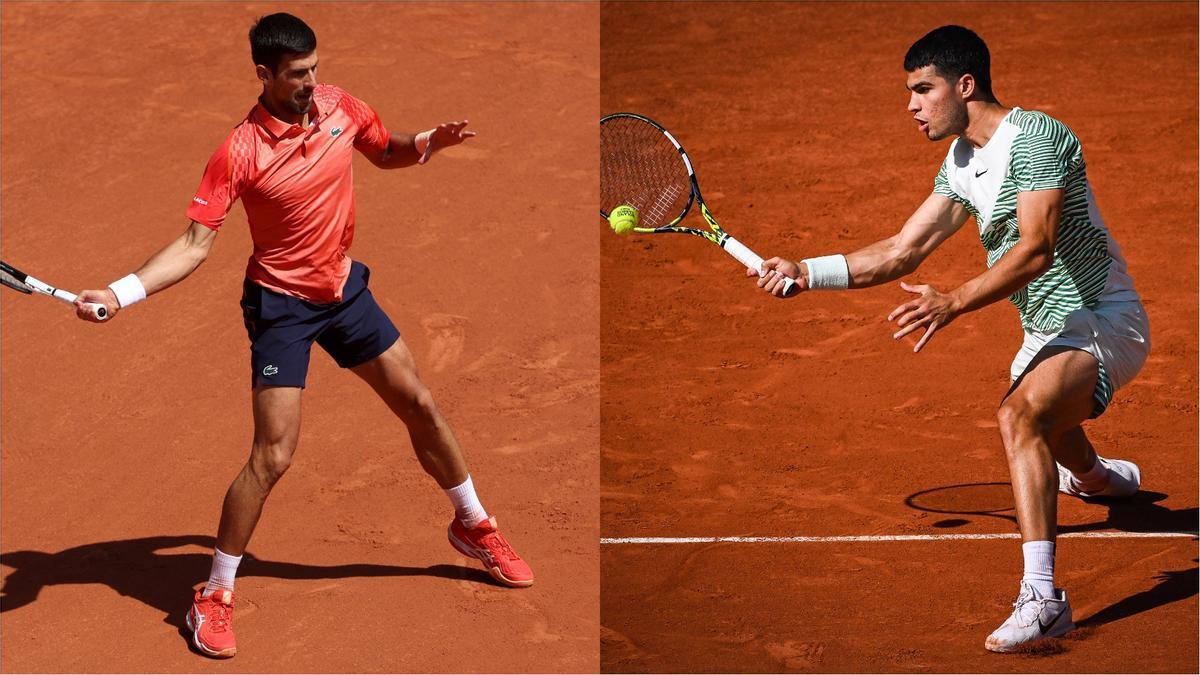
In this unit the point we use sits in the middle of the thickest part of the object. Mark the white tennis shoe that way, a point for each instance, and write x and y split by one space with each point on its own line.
1124 479
1033 618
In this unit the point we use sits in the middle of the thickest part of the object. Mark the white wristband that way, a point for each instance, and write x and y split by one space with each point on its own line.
828 271
128 289
421 141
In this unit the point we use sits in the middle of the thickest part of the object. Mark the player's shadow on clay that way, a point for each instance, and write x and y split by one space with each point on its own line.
1172 586
1139 513
136 568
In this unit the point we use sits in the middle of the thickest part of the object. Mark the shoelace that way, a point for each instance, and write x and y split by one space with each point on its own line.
219 614
1023 600
1023 597
498 545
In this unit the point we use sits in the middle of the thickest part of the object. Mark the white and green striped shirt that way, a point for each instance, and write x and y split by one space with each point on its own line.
1032 151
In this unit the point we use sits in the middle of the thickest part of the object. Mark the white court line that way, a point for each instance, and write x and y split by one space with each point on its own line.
884 537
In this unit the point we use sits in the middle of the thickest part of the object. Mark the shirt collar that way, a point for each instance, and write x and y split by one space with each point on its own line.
280 129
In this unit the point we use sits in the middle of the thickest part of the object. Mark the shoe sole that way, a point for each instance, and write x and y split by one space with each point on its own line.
222 654
1056 630
469 551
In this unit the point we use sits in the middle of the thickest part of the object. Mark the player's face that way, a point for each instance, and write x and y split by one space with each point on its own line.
935 104
291 85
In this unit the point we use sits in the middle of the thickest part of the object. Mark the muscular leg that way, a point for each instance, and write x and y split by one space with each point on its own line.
393 375
1039 420
1073 450
1041 415
276 430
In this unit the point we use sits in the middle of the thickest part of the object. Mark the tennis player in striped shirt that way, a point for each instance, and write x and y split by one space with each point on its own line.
1021 175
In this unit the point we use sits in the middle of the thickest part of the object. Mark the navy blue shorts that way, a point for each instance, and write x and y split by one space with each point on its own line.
282 329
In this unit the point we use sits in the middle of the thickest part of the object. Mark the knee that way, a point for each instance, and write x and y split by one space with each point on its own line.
411 400
1019 421
418 406
268 463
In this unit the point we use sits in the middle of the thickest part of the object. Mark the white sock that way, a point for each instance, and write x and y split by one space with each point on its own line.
466 504
1093 479
224 569
1039 566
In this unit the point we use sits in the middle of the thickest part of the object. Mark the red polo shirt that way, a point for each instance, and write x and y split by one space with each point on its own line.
297 187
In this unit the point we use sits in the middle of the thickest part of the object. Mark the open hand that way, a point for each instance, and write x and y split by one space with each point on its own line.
444 136
933 310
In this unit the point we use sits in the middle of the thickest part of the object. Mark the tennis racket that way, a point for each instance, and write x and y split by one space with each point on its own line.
642 165
19 281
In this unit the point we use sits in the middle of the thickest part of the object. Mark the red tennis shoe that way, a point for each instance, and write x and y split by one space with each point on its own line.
211 623
486 544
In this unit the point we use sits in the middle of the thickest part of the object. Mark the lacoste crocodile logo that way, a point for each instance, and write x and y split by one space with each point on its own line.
270 370
335 131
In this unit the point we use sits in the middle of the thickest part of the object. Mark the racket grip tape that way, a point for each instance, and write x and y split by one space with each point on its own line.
99 311
752 260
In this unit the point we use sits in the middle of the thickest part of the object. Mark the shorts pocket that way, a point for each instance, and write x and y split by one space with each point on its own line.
251 308
263 308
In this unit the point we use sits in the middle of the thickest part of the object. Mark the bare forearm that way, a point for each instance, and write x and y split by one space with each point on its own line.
165 268
876 264
880 263
173 263
401 152
408 149
889 259
1022 264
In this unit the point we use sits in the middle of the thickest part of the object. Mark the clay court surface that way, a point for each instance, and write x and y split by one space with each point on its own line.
729 413
120 440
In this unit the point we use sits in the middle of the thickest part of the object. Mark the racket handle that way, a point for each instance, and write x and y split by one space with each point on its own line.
752 260
99 311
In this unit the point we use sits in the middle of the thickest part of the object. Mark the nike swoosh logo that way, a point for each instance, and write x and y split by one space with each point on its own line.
1045 626
980 173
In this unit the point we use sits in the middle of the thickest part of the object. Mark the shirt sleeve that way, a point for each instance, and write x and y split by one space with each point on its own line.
941 186
223 181
1044 157
369 132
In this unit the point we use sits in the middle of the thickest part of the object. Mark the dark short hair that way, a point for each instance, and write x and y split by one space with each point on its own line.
954 51
277 35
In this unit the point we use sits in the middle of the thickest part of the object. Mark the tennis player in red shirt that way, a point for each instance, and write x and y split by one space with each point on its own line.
289 162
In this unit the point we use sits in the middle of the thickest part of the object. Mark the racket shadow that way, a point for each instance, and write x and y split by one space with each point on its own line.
1139 513
143 569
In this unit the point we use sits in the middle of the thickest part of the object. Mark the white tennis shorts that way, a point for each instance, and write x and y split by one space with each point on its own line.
1116 333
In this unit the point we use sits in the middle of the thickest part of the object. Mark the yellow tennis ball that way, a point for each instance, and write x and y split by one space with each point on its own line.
623 219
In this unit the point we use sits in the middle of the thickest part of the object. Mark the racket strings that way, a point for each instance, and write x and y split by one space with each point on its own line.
13 282
639 166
